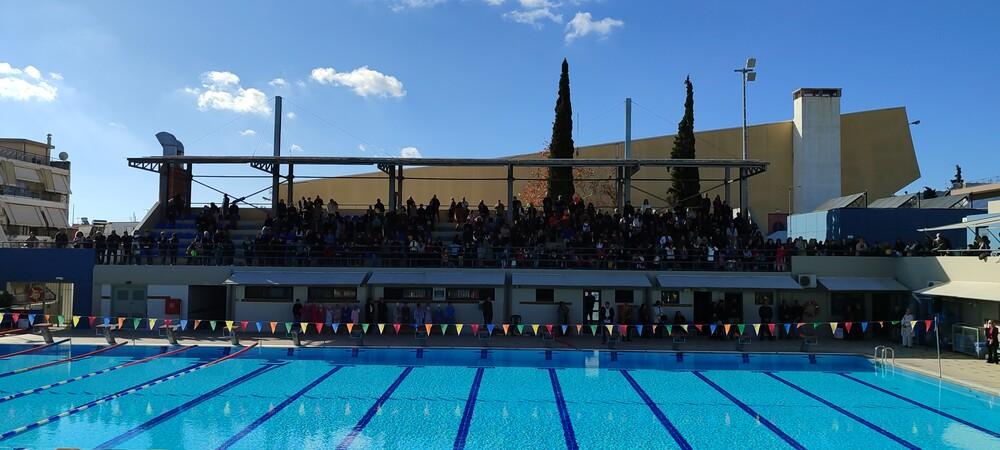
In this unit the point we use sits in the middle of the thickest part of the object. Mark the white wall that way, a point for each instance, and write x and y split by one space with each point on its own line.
155 307
815 151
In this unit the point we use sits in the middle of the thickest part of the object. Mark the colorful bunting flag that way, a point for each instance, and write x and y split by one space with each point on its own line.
564 328
46 317
742 327
815 325
336 327
152 324
788 328
698 327
76 321
381 328
864 327
712 327
520 328
288 327
534 329
2 316
350 328
726 328
197 322
670 330
274 326
319 327
364 328
304 326
107 320
578 328
623 330
833 327
505 327
928 323
184 324
444 329
396 327
121 323
90 320
458 329
243 325
610 328
259 325
489 329
17 316
212 324
654 329
548 327
683 327
770 328
638 329
229 325
593 330
59 319
913 324
428 327
475 329
756 329
848 326
31 320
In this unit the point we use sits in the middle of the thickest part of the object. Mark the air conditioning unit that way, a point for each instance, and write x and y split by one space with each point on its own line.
807 280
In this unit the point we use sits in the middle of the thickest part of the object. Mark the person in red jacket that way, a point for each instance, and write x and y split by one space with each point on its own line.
991 343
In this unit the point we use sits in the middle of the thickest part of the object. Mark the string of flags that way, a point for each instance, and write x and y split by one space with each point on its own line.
136 323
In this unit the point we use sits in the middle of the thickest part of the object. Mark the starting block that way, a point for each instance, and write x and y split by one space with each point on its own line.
106 330
44 331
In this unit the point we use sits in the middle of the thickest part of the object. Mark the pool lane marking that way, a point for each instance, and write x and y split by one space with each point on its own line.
92 374
139 387
274 411
674 432
564 417
33 349
843 411
61 361
173 412
767 423
344 444
921 405
470 406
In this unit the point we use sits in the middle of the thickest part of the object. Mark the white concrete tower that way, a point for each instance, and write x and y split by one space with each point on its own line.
815 148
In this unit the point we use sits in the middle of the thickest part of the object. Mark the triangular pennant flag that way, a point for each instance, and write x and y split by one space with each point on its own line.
712 327
475 329
135 323
336 327
623 330
444 329
319 327
364 328
505 327
17 316
534 329
610 328
46 317
800 325
815 325
864 327
76 321
564 328
31 319
756 329
197 322
229 325
121 323
90 320
833 327
381 328
60 319
107 320
578 328
184 324
670 330
168 322
520 328
928 324
212 324
428 327
152 323
350 328
2 316
788 328
654 329
593 330
770 327
684 327
726 328
913 324
894 322
288 327
548 327
259 325
698 327
243 325
489 329
459 326
396 327
848 326
304 326
274 327
742 327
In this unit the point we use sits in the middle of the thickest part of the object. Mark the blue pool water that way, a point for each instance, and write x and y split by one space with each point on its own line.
471 398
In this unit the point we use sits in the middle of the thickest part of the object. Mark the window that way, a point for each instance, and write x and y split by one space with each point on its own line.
759 298
670 297
847 306
324 294
469 294
406 293
592 305
623 296
267 294
545 295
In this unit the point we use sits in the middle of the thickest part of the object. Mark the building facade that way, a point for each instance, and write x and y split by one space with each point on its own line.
34 190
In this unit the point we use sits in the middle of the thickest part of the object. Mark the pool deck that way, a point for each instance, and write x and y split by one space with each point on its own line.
955 367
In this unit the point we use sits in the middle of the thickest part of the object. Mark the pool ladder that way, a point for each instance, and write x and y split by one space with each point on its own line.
885 354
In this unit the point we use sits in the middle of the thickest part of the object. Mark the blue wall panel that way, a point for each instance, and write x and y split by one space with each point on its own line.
43 265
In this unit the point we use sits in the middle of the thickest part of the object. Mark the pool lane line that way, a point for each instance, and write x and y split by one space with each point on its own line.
180 409
274 411
564 418
139 387
921 405
62 361
470 406
346 442
92 374
674 432
843 411
767 423
33 349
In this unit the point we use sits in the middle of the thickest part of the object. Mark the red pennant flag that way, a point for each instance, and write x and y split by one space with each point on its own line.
395 326
17 316
243 325
91 320
928 323
319 327
698 327
548 327
167 322
475 329
770 327
622 329
848 325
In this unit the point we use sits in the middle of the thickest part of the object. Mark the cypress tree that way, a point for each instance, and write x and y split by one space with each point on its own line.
561 145
686 187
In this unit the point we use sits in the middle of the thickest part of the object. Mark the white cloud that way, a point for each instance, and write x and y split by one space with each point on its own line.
55 76
291 115
412 4
278 82
25 84
117 125
584 24
533 17
295 148
535 4
301 83
494 2
222 91
363 148
409 152
248 132
363 81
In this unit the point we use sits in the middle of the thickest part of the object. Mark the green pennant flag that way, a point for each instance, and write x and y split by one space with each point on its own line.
364 328
741 327
212 324
815 325
60 319
520 328
444 329
288 327
136 322
593 330
895 322
670 329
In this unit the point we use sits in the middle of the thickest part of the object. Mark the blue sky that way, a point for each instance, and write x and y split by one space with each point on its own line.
470 78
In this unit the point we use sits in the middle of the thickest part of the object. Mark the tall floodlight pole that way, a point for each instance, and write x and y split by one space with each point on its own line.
748 74
277 153
627 175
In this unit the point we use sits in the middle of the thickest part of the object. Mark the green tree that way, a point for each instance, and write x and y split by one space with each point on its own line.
928 193
686 186
561 145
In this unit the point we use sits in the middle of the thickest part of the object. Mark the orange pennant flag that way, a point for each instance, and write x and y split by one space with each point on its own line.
578 328
505 326
350 328
196 323
274 326
121 322
428 327
654 329
726 327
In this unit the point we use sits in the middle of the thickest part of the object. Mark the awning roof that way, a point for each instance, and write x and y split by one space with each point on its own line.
977 290
970 224
260 277
862 284
417 278
727 281
611 279
847 201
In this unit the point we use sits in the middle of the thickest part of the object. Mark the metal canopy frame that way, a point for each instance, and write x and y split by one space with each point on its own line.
393 167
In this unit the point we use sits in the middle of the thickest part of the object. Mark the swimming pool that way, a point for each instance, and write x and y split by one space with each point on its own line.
216 397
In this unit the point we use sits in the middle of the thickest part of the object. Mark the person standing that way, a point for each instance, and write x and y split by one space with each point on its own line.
487 307
992 343
297 310
766 314
906 329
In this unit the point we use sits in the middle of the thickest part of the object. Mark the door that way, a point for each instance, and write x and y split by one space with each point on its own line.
702 307
128 301
734 307
591 306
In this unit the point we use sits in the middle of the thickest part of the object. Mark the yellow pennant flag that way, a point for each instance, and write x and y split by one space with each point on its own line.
428 328
76 320
833 327
534 329
350 328
505 326
274 326
1 316
610 329
304 326
726 327
685 328
458 328
229 325
152 323
756 329
913 324
381 327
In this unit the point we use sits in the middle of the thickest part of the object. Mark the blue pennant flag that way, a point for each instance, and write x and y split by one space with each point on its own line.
788 328
639 329
258 327
489 327
335 326
712 327
31 319
107 320
564 327
184 324
864 326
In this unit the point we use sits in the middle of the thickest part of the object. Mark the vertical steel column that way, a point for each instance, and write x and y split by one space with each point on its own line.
627 171
399 189
391 171
276 168
729 187
510 193
744 185
290 180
